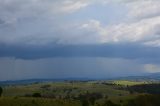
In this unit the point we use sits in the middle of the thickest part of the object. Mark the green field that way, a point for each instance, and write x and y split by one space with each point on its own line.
21 101
129 83
69 93
63 88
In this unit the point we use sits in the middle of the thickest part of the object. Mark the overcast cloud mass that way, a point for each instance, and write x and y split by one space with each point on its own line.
78 38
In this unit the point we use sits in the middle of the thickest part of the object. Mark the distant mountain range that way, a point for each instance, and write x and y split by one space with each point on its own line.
146 77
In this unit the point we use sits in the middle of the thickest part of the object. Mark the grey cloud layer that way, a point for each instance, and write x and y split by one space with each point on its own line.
35 29
39 22
75 38
127 51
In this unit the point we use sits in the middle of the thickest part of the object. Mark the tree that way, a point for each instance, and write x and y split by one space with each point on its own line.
1 90
109 103
36 95
92 100
85 102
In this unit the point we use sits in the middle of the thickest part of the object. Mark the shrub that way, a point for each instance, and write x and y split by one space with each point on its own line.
36 95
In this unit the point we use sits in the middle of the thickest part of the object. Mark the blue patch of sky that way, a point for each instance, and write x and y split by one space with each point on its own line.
107 14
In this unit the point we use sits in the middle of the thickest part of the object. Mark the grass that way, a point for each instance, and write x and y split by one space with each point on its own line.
21 101
15 95
129 83
62 88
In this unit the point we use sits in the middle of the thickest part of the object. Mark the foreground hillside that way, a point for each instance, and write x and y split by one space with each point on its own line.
82 93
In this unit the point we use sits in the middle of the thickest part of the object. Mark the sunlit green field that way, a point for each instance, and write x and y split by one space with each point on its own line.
129 83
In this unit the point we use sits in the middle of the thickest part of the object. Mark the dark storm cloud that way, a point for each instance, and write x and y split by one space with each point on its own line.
129 51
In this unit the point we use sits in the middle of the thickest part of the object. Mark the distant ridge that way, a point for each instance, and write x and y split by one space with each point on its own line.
30 81
147 76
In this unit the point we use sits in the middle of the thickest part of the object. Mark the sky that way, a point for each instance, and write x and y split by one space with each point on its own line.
78 38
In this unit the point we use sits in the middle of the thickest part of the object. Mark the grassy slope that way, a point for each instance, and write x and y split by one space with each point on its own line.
12 94
59 87
21 101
